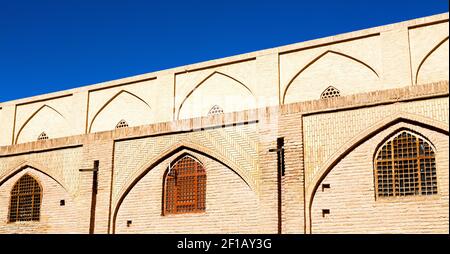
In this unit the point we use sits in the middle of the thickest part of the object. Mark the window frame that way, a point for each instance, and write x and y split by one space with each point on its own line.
174 162
379 149
41 194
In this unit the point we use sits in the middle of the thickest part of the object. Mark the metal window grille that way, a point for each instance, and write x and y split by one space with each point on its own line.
25 200
330 92
215 110
404 166
122 124
185 187
43 136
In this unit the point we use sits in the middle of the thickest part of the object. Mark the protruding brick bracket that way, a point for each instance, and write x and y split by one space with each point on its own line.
280 169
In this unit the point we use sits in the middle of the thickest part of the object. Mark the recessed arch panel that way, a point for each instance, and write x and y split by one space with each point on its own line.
401 117
185 148
330 67
221 200
434 66
46 119
216 89
123 105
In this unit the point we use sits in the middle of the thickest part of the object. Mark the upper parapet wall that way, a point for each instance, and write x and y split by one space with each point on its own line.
429 20
391 56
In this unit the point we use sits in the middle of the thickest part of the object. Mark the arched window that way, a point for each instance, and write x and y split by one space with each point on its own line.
330 92
43 136
405 165
122 124
25 203
185 187
215 110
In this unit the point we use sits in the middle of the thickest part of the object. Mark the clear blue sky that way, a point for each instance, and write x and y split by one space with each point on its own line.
52 45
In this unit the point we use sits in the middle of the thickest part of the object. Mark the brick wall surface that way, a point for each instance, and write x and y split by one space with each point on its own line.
242 188
326 141
354 207
231 205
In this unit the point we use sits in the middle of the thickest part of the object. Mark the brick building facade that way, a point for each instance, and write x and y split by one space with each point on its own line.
345 134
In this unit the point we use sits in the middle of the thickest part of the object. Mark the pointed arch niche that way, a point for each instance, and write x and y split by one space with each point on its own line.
44 120
216 89
216 185
123 105
32 195
330 67
434 66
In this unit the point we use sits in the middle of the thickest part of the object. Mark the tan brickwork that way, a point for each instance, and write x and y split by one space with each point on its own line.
230 208
57 172
53 217
275 93
351 196
325 133
133 156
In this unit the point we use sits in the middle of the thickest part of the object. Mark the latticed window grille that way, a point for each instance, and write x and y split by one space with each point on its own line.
25 203
43 136
405 165
122 124
330 92
215 110
185 187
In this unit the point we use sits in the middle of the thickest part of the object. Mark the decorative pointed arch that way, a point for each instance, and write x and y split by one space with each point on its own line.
320 57
109 102
8 174
55 112
428 55
25 200
181 146
214 73
184 186
359 139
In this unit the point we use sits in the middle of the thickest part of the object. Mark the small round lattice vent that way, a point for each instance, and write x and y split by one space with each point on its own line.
42 136
330 92
122 124
215 110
